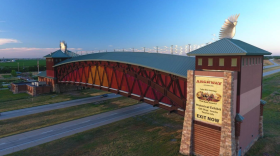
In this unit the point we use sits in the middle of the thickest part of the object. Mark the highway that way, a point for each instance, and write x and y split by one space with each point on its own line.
43 108
33 138
274 64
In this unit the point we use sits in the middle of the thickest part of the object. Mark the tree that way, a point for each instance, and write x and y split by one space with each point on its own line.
1 86
13 73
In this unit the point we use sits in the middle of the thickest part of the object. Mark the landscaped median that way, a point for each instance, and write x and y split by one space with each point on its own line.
10 101
157 133
44 119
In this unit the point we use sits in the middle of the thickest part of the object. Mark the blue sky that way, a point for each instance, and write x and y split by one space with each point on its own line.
34 28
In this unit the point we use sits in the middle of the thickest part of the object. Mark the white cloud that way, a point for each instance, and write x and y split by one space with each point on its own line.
6 40
110 45
25 52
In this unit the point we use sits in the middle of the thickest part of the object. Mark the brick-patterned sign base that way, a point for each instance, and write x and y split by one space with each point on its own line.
186 141
227 144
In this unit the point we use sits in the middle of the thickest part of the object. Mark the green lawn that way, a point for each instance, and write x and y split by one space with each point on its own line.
23 62
7 95
6 76
157 133
10 101
49 118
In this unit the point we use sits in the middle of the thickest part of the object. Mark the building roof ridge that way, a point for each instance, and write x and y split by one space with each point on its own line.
236 45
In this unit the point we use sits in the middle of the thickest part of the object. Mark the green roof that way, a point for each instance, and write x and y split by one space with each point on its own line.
58 54
174 64
44 74
227 46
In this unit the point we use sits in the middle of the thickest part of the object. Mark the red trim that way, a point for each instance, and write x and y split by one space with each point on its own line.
139 80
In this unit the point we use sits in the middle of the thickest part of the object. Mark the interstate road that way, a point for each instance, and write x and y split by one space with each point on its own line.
43 108
36 137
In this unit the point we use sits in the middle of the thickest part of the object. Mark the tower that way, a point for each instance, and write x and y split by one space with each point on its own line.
224 112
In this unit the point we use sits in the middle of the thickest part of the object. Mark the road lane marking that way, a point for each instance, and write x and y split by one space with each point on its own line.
86 121
47 132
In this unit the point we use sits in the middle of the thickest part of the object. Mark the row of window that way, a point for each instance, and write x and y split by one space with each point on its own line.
51 60
221 62
245 61
251 61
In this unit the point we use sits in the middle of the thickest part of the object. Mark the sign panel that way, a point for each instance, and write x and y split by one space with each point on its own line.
209 99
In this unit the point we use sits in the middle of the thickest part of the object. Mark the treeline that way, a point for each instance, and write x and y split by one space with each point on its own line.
25 69
271 57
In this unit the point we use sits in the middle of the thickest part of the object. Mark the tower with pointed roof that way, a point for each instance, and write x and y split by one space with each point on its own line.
239 66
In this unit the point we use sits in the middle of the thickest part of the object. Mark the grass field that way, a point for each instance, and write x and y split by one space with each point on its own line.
277 61
7 95
157 133
44 119
10 101
267 63
6 76
23 62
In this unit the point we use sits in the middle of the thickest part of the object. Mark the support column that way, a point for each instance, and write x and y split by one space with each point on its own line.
186 140
227 145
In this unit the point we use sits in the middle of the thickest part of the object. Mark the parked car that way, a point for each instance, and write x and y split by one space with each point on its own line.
104 95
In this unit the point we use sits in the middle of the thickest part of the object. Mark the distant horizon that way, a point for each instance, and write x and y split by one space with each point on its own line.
33 32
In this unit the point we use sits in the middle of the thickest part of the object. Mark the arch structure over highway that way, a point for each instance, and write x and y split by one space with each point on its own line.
157 79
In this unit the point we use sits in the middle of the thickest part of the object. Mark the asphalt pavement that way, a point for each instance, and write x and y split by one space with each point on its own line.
274 64
271 72
36 137
43 108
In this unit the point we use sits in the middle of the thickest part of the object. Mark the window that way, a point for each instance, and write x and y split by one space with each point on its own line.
250 61
210 62
221 62
246 61
200 62
243 60
234 62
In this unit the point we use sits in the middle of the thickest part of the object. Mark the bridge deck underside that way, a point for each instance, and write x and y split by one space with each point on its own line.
154 87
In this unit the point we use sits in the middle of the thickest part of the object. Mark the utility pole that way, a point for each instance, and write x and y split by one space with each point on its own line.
114 50
123 49
144 49
38 65
157 49
18 66
189 47
106 50
172 49
133 49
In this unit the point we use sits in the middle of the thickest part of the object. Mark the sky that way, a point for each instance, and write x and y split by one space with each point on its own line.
34 28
